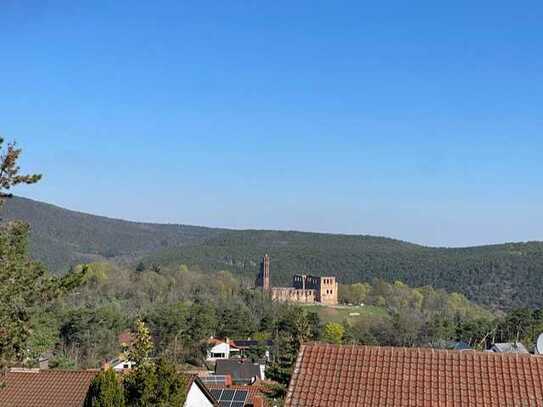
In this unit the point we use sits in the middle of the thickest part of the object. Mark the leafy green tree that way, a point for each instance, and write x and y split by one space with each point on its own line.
92 332
477 332
407 325
293 328
235 321
274 393
314 325
516 325
354 293
256 353
168 324
62 361
105 391
438 328
333 333
45 334
201 324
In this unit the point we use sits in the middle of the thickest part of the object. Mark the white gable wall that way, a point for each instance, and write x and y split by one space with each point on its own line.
197 398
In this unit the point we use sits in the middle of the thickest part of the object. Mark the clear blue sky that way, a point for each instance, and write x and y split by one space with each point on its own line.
416 120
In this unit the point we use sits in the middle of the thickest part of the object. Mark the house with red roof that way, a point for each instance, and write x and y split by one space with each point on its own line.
45 388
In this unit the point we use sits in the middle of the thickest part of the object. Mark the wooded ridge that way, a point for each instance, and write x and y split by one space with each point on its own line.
501 276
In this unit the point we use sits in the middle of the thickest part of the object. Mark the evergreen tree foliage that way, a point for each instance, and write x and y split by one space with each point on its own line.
105 391
9 170
24 283
293 328
140 383
171 388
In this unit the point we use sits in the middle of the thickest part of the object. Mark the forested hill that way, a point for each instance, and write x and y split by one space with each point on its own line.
61 238
502 276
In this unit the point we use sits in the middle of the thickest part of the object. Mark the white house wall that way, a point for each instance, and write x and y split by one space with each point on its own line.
197 398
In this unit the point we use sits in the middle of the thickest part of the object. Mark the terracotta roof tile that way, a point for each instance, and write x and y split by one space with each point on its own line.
332 375
45 388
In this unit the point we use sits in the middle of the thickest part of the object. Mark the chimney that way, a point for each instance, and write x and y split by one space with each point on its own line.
228 380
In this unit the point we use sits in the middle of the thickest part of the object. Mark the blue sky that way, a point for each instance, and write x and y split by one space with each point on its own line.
416 120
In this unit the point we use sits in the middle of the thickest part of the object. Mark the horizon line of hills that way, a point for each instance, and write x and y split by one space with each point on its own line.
501 276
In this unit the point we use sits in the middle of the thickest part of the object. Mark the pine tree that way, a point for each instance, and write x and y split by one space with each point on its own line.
9 170
24 283
171 386
292 329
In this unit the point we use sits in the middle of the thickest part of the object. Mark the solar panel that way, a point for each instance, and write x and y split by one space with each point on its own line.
227 395
214 379
230 398
216 393
240 396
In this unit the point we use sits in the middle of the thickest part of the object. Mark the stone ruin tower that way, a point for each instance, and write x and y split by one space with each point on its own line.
263 279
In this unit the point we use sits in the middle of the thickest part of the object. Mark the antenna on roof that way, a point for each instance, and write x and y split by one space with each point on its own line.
539 345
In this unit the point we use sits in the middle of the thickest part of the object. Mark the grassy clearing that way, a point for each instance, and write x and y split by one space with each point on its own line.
341 312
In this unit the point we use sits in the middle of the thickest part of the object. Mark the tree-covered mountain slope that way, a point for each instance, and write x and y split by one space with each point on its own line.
61 238
502 276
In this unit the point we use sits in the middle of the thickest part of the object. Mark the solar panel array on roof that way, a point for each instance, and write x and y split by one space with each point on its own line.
230 398
214 379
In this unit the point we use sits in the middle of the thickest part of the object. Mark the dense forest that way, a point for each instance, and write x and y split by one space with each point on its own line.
500 276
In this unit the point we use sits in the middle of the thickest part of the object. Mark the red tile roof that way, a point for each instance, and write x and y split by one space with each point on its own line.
45 388
332 375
